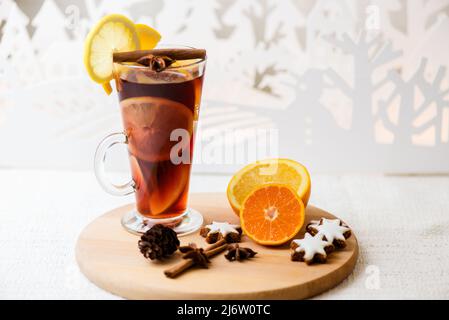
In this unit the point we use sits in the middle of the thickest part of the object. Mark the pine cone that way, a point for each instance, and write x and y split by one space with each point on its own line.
159 242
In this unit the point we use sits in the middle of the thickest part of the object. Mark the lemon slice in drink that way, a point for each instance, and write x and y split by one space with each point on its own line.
113 33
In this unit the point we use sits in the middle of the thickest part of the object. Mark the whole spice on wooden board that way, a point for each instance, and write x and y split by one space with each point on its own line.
192 259
237 253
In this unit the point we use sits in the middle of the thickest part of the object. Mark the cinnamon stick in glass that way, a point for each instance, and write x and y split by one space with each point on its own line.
172 53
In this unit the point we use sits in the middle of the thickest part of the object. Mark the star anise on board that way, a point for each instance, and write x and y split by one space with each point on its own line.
237 253
197 255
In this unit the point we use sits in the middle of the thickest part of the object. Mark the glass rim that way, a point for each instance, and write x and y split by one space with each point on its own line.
162 46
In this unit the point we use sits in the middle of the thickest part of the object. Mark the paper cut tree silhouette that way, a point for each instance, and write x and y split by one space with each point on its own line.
306 120
190 23
412 20
144 9
405 92
16 51
365 63
416 27
259 18
49 26
5 7
304 8
223 30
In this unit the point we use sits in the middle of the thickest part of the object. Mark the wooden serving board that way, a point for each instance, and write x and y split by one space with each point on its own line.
109 257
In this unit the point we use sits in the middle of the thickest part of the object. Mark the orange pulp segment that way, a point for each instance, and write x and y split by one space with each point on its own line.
272 214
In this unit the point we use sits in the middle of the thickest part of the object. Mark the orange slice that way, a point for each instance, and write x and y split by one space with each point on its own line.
155 190
283 171
149 123
272 214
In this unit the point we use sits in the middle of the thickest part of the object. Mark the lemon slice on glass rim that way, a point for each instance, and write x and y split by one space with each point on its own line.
112 33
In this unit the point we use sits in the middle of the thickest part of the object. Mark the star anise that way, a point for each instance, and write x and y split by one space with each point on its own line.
237 253
156 63
197 255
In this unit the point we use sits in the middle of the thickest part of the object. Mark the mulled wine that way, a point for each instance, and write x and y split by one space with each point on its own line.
160 111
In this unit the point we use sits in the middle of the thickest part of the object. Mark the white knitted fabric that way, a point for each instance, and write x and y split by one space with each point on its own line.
402 224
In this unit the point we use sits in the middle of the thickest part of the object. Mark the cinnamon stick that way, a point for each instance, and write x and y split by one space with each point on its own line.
215 251
215 245
179 268
173 53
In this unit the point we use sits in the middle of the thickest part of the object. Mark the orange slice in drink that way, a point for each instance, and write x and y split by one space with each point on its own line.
149 123
158 186
169 183
272 214
283 171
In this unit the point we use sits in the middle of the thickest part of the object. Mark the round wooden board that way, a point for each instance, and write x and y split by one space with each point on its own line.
109 257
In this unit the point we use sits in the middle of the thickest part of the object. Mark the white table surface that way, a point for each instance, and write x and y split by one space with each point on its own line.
402 224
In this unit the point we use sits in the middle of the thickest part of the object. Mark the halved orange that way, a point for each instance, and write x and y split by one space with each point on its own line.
283 171
272 214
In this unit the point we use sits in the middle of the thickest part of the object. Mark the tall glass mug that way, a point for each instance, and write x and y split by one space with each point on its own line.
160 114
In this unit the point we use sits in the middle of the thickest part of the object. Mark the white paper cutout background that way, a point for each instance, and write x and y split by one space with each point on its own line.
350 85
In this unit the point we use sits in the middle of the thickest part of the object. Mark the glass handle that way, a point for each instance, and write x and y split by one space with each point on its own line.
99 162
